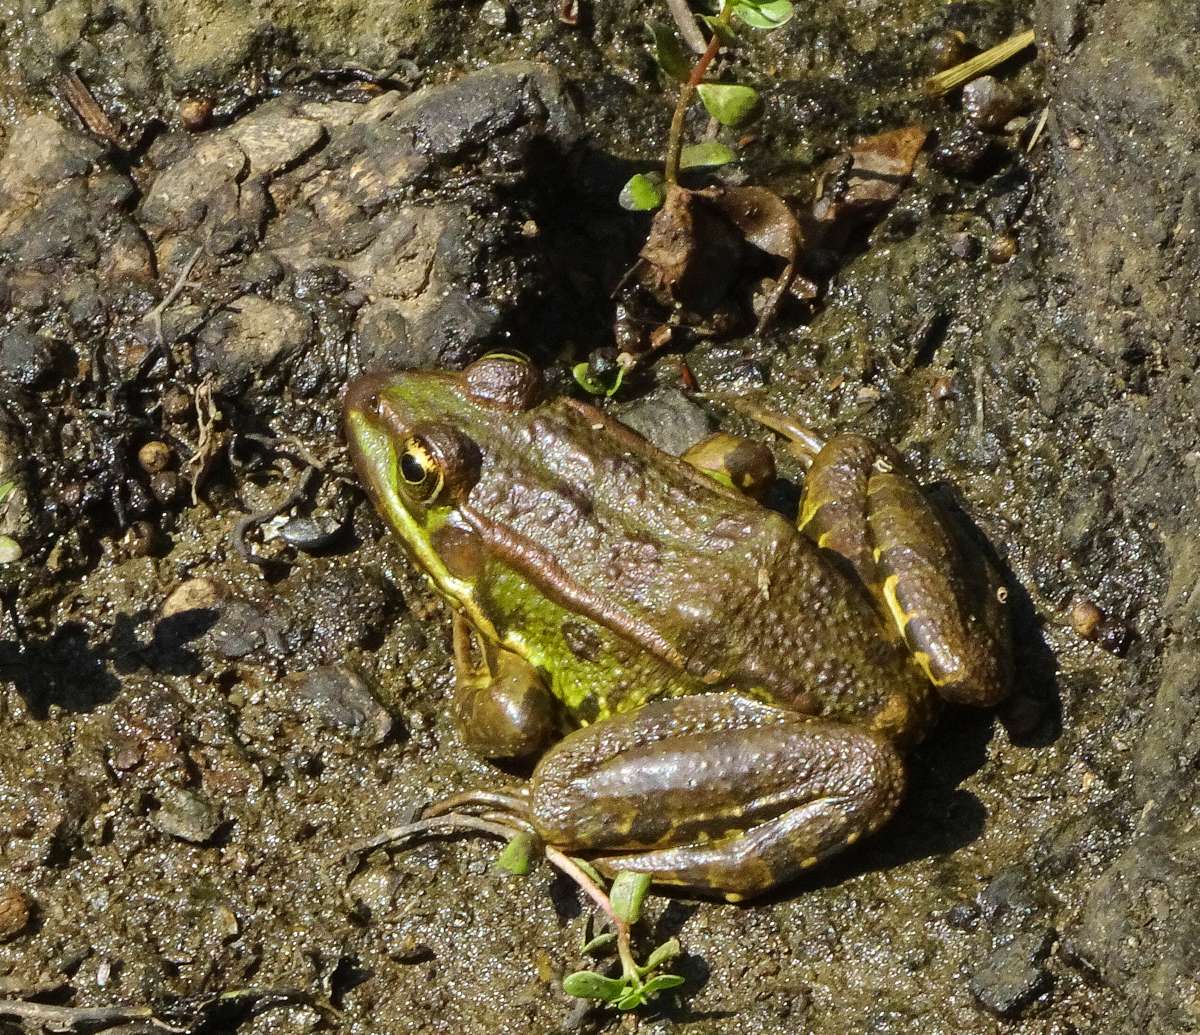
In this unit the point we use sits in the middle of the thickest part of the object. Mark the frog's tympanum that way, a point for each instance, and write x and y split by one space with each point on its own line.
738 691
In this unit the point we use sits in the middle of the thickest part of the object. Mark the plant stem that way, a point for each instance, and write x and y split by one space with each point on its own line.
686 92
598 895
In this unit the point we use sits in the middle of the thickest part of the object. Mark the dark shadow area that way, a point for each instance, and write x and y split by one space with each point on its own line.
73 671
64 669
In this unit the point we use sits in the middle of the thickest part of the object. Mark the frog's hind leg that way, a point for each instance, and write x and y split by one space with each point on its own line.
947 601
715 792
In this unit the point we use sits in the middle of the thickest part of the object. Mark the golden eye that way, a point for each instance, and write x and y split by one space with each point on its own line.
419 471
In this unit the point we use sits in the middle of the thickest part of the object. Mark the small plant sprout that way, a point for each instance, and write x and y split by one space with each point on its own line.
503 814
731 104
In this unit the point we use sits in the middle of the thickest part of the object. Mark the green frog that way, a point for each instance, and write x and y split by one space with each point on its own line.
720 698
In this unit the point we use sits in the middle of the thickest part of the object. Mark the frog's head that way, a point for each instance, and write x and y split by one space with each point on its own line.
418 439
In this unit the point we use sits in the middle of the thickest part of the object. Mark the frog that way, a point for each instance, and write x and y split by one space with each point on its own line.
710 693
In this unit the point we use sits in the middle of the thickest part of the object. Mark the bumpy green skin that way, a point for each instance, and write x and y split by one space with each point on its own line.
742 697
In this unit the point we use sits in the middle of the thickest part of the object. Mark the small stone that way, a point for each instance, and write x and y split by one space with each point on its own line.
186 815
669 419
989 103
964 246
1002 249
195 113
25 357
1014 974
154 456
164 487
10 550
177 405
193 595
966 152
495 13
140 540
341 700
947 49
1086 618
16 910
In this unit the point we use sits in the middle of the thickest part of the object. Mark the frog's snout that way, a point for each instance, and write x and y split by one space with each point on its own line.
362 394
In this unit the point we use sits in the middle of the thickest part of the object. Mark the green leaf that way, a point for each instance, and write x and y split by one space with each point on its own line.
601 941
708 153
770 15
667 951
583 864
517 855
729 103
668 53
726 33
627 894
10 549
641 193
583 377
587 984
631 1000
660 984
6 490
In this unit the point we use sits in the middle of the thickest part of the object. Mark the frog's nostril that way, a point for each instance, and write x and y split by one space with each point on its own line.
363 394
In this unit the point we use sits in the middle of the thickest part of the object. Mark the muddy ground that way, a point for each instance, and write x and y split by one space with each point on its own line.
216 668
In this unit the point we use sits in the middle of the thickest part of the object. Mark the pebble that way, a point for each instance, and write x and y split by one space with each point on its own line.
495 13
1014 974
989 103
1086 619
154 457
341 700
193 595
186 815
16 910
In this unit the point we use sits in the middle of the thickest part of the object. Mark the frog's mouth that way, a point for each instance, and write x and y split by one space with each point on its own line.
371 436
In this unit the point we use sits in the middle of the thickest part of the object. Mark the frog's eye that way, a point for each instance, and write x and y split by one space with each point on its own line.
504 379
419 471
438 464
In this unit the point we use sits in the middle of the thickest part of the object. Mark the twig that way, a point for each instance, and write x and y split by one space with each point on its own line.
81 101
155 314
686 23
1037 130
946 81
77 1018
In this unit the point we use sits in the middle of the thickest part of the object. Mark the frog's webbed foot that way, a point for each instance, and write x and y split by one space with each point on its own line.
715 792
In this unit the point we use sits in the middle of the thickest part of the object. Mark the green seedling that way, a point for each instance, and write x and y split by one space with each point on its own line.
731 104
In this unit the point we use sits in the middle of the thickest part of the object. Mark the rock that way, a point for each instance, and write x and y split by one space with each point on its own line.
341 700
16 911
193 595
241 628
26 358
966 151
495 13
1013 975
182 194
186 815
669 419
247 341
989 103
520 100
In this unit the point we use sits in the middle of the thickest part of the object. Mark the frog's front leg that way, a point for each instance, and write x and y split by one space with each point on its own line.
502 707
716 792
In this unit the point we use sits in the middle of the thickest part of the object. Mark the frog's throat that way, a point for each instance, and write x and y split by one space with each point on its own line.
543 570
380 455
